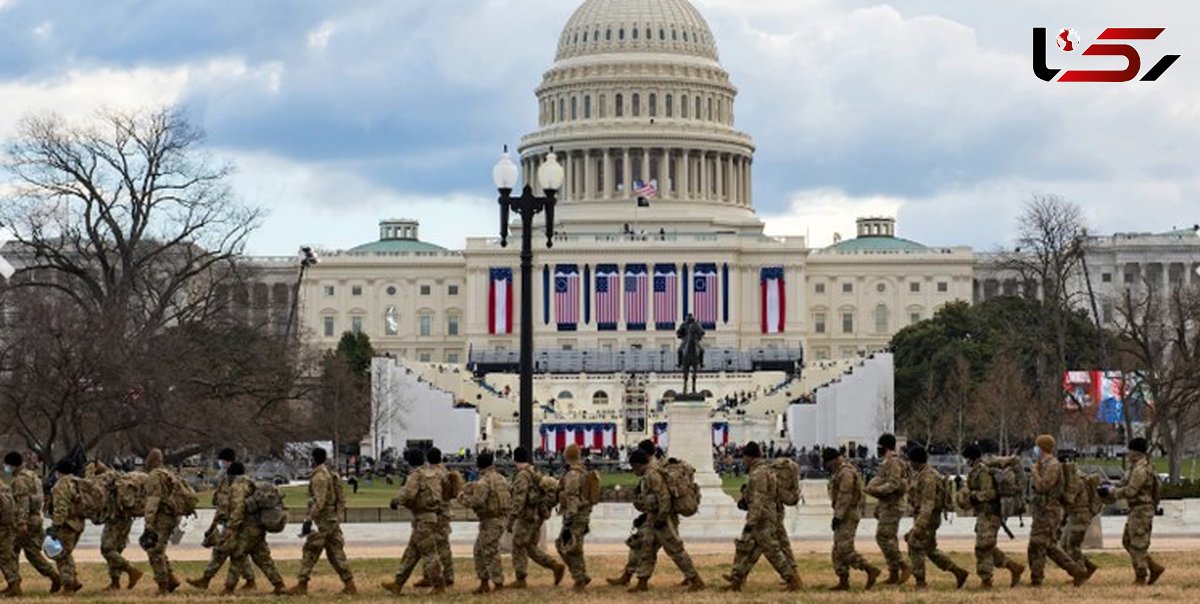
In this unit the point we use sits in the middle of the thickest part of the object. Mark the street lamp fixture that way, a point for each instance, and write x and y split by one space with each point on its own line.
527 206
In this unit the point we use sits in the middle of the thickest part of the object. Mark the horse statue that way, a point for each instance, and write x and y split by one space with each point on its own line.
691 353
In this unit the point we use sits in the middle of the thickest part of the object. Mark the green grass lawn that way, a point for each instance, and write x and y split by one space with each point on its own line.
1189 469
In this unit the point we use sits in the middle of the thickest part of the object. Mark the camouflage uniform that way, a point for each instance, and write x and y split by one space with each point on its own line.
28 503
846 494
662 527
68 526
1140 490
634 541
1047 513
325 505
445 555
220 554
246 539
760 537
8 551
981 495
576 513
423 542
491 527
889 487
927 519
162 520
1079 514
526 522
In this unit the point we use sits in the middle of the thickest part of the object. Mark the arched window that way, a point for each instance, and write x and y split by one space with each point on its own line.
637 105
620 105
635 33
710 109
565 395
600 398
574 108
585 34
608 34
649 34
562 109
683 106
698 114
670 106
674 35
603 106
881 318
621 34
653 105
587 107
662 34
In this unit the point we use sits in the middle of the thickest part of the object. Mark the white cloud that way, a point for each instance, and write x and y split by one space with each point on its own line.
318 39
819 214
44 30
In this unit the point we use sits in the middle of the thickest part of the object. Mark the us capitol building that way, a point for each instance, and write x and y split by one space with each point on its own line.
637 96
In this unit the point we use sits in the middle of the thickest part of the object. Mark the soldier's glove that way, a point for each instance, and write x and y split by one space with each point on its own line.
52 532
743 506
835 524
564 537
639 521
306 529
1104 491
395 505
148 540
660 525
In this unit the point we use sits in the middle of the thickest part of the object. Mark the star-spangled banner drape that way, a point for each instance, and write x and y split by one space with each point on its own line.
566 297
774 300
500 301
608 297
666 296
636 297
704 295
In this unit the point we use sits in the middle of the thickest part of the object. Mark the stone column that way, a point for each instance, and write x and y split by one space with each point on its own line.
749 181
735 194
627 176
685 176
608 175
646 164
569 180
720 166
589 175
704 188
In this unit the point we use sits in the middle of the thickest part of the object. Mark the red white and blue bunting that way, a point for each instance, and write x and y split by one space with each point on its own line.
720 434
557 437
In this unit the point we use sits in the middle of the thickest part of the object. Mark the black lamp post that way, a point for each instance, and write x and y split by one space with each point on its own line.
550 179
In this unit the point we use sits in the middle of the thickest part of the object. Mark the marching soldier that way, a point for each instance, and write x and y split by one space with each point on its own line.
66 525
634 542
489 498
1077 497
1048 486
525 521
760 501
115 536
576 511
322 529
662 526
422 495
160 521
982 496
846 495
27 513
219 502
244 537
450 483
8 552
889 487
927 496
1141 491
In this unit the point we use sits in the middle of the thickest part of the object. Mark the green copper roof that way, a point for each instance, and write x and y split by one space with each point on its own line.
875 245
397 245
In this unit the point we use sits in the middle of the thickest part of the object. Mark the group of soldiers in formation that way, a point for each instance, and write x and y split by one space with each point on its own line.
1063 505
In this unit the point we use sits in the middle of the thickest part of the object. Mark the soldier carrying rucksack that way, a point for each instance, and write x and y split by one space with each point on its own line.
983 495
1141 491
122 509
245 536
533 496
658 495
579 491
168 498
760 537
928 496
488 497
68 522
1082 502
421 495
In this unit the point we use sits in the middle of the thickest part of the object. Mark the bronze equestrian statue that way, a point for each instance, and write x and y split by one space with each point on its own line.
691 353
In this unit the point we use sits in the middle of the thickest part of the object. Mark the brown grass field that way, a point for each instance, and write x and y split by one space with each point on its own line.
1111 584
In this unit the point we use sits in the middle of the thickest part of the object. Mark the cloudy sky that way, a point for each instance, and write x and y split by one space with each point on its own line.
338 114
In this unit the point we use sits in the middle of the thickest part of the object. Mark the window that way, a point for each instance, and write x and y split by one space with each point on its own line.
847 322
391 290
697 114
425 356
819 288
587 107
637 105
600 398
1106 277
621 34
683 106
635 33
356 290
670 106
452 325
914 318
329 327
425 290
653 109
452 356
356 324
847 288
608 34
562 109
881 319
426 324
710 109
620 107
329 291
603 106
452 290
880 287
822 354
1129 277
914 287
943 287
819 322
574 108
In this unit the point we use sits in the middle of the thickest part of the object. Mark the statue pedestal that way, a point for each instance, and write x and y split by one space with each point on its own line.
691 441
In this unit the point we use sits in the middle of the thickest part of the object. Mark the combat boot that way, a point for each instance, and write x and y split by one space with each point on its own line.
905 574
1081 578
13 590
1016 569
482 589
843 584
393 587
735 584
796 584
920 584
559 571
893 577
1139 580
135 575
349 588
985 584
696 584
438 589
872 576
519 583
229 590
55 584
642 586
114 584
960 577
250 585
422 583
201 583
1156 571
620 581
1090 567
299 589
580 585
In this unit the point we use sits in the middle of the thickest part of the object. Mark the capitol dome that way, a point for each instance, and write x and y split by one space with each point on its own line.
660 26
637 105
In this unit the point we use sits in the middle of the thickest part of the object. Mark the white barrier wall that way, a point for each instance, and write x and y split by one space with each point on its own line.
405 408
853 409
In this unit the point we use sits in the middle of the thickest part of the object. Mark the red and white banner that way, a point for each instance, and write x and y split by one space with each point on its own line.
555 438
500 301
774 300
